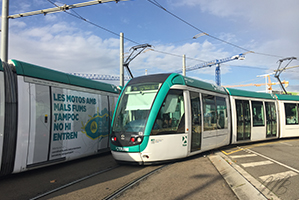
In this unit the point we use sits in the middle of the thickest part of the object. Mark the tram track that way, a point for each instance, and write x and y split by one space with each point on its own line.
131 184
106 184
96 177
74 182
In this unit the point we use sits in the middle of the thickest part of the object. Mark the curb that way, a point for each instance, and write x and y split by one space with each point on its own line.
242 184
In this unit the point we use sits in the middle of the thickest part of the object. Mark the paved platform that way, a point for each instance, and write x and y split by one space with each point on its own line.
242 187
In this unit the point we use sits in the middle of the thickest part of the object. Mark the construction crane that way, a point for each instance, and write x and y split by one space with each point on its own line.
216 62
269 85
267 76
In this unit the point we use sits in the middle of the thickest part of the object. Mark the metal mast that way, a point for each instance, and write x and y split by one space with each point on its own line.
4 31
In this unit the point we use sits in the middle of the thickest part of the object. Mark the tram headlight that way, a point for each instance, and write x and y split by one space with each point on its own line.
139 139
113 138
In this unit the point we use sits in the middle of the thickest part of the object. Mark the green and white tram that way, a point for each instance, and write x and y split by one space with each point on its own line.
48 117
168 116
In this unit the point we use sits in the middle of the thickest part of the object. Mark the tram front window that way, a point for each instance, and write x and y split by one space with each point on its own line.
171 118
134 107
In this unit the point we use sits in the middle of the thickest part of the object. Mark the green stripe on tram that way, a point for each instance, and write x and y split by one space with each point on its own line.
35 71
287 97
243 93
203 85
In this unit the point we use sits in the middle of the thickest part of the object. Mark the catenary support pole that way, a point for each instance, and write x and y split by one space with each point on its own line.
121 75
184 65
4 31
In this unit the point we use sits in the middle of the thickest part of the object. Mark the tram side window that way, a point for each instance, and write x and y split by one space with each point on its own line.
291 111
171 117
221 113
209 111
258 113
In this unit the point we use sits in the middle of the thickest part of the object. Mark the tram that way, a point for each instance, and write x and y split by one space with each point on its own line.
166 117
49 117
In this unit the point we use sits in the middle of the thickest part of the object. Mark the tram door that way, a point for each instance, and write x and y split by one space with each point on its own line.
271 119
39 133
243 120
196 121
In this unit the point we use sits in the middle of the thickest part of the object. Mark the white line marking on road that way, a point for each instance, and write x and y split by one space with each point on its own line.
254 164
278 176
244 156
291 168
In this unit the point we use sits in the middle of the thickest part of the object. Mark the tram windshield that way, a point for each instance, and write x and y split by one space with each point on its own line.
134 107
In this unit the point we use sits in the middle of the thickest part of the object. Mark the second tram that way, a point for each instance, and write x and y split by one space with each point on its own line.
49 117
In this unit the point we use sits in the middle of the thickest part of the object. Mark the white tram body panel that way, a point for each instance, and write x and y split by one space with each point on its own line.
166 147
254 119
289 126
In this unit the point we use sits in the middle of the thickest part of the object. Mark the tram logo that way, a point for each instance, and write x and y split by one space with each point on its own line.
97 125
184 140
122 137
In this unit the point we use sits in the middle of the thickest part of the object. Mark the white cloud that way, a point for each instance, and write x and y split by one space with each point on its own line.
18 24
65 48
270 26
69 48
268 21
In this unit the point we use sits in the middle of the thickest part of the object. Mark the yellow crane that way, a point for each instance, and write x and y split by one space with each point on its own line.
269 84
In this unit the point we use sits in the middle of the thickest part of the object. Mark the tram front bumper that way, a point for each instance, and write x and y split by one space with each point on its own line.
126 157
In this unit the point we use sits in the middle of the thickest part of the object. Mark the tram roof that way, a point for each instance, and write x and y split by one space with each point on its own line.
177 79
287 97
244 93
159 78
35 71
204 85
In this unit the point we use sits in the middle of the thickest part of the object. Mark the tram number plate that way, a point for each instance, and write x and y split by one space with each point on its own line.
122 149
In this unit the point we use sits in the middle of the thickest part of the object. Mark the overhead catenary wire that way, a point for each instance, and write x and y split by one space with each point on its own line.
176 55
94 24
154 2
78 16
162 52
179 18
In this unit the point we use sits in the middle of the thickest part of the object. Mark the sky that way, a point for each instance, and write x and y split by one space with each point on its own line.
86 40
